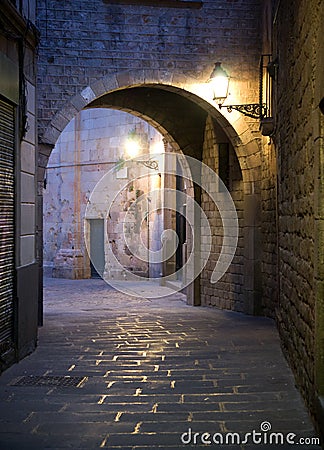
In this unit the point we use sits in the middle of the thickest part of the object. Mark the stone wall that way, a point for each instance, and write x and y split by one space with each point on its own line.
298 39
83 42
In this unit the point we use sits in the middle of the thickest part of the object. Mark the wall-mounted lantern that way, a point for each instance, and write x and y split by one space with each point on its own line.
219 80
133 148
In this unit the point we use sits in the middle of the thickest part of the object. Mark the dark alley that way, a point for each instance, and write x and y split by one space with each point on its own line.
161 224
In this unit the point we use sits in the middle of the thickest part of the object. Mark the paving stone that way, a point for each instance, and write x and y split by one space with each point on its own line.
155 369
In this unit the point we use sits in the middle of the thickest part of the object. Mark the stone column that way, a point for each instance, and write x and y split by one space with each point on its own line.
44 151
69 262
252 253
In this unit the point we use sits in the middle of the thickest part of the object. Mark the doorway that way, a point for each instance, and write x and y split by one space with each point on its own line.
97 248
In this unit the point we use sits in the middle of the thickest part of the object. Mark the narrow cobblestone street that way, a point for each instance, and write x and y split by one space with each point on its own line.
149 371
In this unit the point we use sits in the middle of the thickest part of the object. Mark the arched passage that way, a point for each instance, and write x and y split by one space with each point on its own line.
181 116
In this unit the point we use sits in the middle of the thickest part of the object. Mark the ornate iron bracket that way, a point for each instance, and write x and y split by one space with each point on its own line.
150 164
254 110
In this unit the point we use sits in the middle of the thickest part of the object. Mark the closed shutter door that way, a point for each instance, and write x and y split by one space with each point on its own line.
7 223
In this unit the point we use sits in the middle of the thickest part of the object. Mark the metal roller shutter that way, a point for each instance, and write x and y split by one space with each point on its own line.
7 224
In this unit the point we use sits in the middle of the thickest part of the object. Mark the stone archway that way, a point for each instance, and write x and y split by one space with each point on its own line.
240 131
169 102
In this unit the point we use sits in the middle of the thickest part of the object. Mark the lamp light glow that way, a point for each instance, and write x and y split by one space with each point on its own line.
219 81
132 147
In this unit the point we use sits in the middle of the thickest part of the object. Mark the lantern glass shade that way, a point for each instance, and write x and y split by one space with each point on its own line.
219 81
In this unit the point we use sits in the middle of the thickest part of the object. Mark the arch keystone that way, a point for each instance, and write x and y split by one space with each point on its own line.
88 94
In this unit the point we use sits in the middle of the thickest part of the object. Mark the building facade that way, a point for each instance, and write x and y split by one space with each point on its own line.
18 172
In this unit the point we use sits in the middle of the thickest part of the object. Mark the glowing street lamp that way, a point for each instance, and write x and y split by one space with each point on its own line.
132 147
219 81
